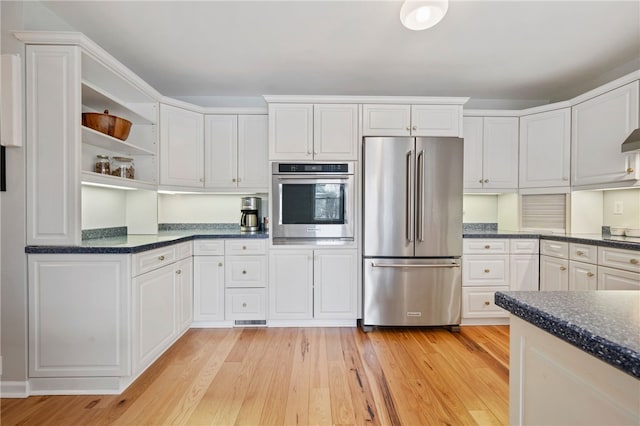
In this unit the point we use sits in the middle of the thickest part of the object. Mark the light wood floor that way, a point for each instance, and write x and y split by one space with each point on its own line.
269 376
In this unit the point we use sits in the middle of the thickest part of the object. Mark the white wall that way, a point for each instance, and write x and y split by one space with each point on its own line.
103 207
202 208
509 212
479 208
626 199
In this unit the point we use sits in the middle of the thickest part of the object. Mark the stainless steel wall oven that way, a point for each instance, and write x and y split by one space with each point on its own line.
313 203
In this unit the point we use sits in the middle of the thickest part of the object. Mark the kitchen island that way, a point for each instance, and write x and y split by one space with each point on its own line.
574 357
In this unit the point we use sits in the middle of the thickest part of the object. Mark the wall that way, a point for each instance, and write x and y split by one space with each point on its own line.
480 208
629 201
203 208
103 207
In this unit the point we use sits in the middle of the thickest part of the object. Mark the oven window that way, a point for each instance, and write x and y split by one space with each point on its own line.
308 204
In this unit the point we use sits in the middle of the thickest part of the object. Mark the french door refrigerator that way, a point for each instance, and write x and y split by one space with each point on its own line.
412 227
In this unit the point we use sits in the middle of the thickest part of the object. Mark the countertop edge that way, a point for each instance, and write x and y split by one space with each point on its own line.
613 354
564 238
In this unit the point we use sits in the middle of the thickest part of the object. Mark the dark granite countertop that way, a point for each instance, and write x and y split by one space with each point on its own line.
605 324
628 243
139 243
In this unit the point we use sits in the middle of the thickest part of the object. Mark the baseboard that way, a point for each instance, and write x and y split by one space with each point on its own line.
485 321
75 386
312 323
14 389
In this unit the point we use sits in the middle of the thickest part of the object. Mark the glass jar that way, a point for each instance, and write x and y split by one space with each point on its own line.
102 164
123 167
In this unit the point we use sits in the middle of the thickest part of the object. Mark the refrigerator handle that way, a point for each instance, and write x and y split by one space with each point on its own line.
402 265
420 200
408 196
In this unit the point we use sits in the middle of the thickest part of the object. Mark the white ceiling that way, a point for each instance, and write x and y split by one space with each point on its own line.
527 50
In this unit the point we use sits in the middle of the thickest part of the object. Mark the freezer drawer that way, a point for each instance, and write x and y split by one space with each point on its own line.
423 292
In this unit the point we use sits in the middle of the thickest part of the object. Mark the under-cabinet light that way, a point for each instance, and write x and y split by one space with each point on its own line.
105 185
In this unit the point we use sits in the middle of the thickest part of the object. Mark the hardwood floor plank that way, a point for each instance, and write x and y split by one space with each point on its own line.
275 376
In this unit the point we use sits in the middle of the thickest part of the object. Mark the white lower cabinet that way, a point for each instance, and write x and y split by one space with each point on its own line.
554 274
490 265
245 304
208 294
583 276
616 279
313 284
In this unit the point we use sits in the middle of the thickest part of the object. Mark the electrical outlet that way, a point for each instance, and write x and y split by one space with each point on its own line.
617 207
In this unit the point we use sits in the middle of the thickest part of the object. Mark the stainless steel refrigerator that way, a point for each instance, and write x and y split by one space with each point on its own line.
412 231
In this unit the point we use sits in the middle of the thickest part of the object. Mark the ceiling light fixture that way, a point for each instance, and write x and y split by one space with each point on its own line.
422 14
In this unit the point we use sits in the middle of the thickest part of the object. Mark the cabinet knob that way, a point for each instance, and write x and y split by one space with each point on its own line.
409 128
579 252
480 181
414 128
308 152
563 268
244 247
244 305
589 274
244 272
179 271
486 271
487 303
487 246
202 180
486 181
633 261
233 180
630 170
239 180
220 264
160 257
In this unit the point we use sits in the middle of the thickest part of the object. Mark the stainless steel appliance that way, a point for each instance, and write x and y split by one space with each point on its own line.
412 231
250 214
312 203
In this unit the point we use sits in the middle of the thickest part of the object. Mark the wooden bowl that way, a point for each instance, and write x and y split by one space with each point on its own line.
108 124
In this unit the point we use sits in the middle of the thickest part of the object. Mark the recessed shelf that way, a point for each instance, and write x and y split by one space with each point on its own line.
98 179
97 100
100 140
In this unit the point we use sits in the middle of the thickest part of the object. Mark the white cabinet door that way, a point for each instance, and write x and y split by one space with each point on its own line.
79 307
523 269
335 284
386 120
616 279
220 151
208 288
154 322
181 147
335 132
554 274
545 140
184 289
472 152
245 271
583 276
500 153
435 120
599 126
253 149
290 284
53 149
290 131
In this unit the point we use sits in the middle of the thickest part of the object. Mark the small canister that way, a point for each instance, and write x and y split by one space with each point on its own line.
123 167
103 166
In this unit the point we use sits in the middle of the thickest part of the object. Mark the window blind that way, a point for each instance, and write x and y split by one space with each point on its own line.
544 212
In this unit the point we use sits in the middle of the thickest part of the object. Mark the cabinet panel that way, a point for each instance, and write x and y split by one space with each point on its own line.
599 126
220 151
583 276
544 149
554 274
472 152
478 302
435 120
483 270
485 246
524 272
290 284
253 148
245 304
500 152
240 247
208 278
290 131
184 290
209 247
554 248
524 246
615 279
583 253
181 147
245 271
153 259
335 135
629 260
335 284
386 120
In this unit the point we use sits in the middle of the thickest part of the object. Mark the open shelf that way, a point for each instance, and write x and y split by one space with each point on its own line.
100 140
116 182
95 99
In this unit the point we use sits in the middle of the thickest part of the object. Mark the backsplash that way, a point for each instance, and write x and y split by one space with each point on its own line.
481 227
90 234
188 226
203 208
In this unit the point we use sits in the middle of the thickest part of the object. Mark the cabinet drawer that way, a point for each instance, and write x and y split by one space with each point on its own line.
152 259
554 248
583 253
245 304
245 271
478 302
242 247
629 260
485 246
485 270
615 279
184 250
211 247
517 246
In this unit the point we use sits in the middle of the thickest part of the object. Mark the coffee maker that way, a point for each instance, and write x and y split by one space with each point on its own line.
250 214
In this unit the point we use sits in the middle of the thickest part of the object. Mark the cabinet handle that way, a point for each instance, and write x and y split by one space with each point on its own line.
414 128
244 272
487 303
487 246
244 305
630 170
179 271
562 268
633 261
220 264
579 252
160 257
486 181
589 274
486 271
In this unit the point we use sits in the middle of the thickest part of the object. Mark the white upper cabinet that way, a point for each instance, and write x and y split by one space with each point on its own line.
544 149
491 153
220 150
313 132
599 126
253 149
181 147
411 120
